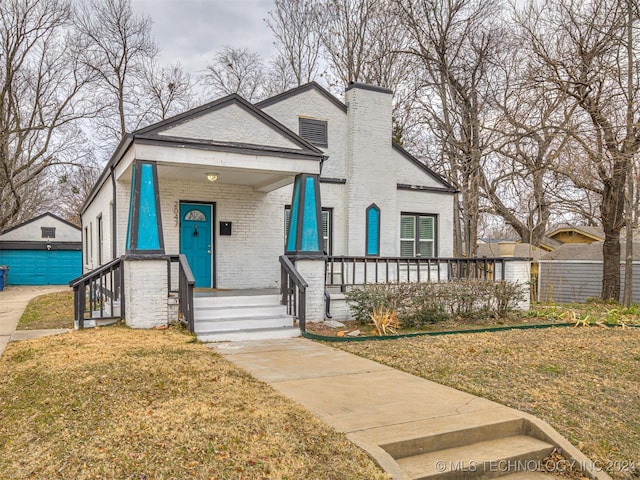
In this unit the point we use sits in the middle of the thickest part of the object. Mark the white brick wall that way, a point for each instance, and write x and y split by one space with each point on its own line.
313 272
312 104
230 124
145 287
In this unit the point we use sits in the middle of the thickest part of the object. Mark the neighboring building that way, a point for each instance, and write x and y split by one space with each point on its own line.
216 184
573 273
572 234
45 250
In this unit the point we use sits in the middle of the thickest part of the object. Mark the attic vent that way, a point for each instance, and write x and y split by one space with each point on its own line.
48 232
314 131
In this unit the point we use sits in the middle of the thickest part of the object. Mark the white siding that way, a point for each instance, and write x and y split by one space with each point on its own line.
32 231
101 205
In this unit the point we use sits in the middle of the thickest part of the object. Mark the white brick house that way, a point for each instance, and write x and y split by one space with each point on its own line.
216 184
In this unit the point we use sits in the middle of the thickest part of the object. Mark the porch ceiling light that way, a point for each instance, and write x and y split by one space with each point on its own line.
212 177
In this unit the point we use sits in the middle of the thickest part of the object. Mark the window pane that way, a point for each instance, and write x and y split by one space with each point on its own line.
426 229
406 248
426 249
195 216
325 231
407 227
287 217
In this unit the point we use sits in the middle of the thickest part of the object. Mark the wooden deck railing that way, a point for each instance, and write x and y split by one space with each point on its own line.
349 271
186 282
293 289
99 294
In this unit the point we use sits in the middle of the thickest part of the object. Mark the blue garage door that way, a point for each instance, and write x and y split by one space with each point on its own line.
41 267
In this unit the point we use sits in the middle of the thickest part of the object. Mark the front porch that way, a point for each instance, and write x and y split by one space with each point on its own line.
260 313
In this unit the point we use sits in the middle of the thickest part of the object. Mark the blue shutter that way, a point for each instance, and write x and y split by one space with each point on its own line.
373 230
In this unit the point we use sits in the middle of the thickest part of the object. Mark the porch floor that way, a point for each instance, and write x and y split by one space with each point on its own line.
239 292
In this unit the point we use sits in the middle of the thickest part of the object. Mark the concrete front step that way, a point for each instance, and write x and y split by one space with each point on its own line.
487 459
236 301
444 433
242 317
256 321
241 311
250 334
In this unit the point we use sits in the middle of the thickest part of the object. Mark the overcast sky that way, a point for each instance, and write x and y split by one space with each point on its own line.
191 31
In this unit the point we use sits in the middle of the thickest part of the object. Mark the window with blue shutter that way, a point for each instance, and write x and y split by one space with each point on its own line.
373 230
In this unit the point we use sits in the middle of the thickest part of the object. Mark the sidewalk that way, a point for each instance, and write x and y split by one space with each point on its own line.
13 301
412 427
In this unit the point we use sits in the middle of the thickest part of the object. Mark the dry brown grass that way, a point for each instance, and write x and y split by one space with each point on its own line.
583 381
114 403
52 310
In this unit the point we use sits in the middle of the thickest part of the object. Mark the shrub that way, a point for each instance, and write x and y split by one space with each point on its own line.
418 304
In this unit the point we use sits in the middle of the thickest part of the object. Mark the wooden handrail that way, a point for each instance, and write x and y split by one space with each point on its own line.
290 282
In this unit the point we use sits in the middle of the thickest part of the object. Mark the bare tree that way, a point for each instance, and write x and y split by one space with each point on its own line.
297 27
235 70
73 183
579 50
115 44
41 99
455 41
165 90
518 179
346 36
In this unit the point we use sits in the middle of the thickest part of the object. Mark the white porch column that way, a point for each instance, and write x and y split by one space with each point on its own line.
145 291
312 271
145 265
519 271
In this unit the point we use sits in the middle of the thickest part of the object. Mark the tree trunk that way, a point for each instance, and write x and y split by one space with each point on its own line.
612 214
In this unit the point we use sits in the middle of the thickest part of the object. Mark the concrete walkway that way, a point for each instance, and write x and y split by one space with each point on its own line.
412 427
13 301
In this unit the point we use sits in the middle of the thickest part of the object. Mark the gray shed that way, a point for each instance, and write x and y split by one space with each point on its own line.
573 273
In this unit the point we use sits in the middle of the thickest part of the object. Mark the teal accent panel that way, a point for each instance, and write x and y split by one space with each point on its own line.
41 267
148 235
293 218
133 182
196 242
310 235
373 231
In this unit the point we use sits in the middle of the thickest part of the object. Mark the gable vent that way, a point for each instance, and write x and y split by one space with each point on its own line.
314 131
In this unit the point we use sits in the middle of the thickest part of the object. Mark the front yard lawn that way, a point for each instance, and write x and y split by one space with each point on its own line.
152 404
584 381
52 310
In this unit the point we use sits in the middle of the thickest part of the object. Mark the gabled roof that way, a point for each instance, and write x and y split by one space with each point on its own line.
595 233
34 219
588 252
315 86
301 89
438 178
153 132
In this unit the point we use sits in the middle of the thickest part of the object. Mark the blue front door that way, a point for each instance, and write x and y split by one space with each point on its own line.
196 241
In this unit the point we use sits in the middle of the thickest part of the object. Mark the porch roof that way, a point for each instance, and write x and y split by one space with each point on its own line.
218 137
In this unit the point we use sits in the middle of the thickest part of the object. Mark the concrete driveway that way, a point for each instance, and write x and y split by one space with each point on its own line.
13 301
